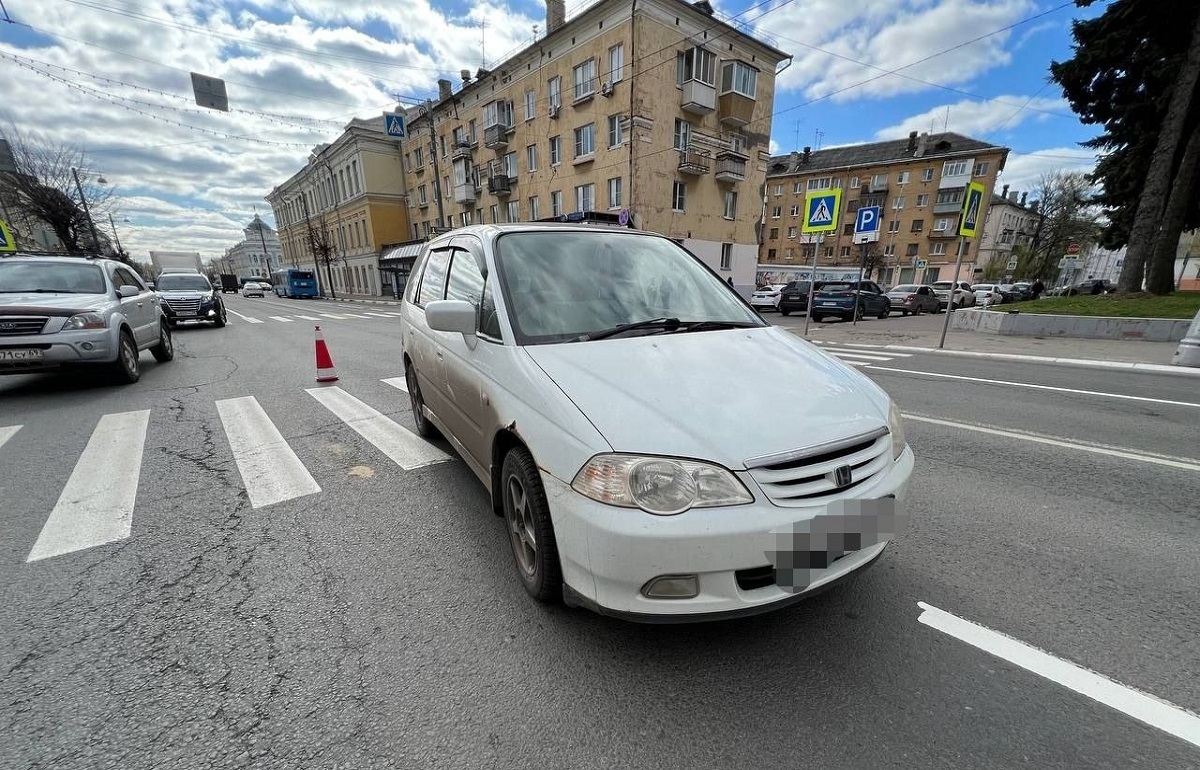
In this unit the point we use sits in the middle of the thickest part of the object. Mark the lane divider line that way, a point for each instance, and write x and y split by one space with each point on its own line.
8 432
96 505
1146 708
271 471
402 446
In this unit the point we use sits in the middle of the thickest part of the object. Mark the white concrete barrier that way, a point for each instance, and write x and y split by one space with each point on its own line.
1025 324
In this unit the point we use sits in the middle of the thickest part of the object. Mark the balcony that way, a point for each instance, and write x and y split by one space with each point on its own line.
464 193
462 151
697 98
495 137
950 207
730 168
947 234
499 185
693 162
735 109
877 187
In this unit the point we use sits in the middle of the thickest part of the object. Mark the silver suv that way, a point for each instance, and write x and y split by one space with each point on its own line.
58 312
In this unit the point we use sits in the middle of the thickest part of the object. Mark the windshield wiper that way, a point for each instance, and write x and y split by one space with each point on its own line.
666 324
706 326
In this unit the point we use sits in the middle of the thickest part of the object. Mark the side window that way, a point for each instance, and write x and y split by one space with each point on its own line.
489 317
123 277
466 282
433 277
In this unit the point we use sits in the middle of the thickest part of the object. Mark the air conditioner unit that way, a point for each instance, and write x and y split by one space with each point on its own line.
554 110
606 89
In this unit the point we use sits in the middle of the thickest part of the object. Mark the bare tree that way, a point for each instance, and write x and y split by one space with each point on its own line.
1067 216
320 237
40 182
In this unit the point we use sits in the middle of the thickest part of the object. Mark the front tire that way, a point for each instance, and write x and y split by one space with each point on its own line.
126 369
425 428
530 530
883 314
164 351
222 318
785 312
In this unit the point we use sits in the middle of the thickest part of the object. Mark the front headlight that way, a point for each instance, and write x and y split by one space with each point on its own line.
896 426
84 321
658 485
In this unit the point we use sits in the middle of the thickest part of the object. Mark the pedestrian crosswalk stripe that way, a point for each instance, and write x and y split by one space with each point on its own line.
331 315
271 471
395 315
281 318
7 433
378 315
96 505
402 446
856 355
354 315
308 318
395 382
245 318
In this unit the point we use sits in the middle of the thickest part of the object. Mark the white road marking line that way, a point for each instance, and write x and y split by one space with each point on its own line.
331 315
1143 707
395 382
245 318
378 315
354 315
10 431
849 354
96 505
281 318
404 447
308 318
271 471
395 315
1182 463
1039 387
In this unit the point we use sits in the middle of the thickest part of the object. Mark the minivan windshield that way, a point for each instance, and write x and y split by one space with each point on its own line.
561 286
183 282
18 277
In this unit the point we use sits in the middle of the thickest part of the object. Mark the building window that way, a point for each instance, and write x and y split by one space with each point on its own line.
917 226
585 197
726 256
585 140
555 86
495 213
683 132
355 183
927 175
964 248
466 218
530 103
845 252
922 200
902 177
616 63
696 64
740 78
855 183
777 212
771 255
422 196
827 251
514 211
497 113
894 226
792 231
848 228
889 250
954 168
795 209
555 150
510 165
534 210
556 205
614 193
616 133
941 224
778 190
774 233
585 79
823 183
898 202
910 250
937 249
678 196
879 180
798 188
531 157
730 211
981 169
950 196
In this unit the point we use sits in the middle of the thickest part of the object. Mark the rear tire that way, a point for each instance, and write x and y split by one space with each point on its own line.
530 530
164 351
885 313
785 312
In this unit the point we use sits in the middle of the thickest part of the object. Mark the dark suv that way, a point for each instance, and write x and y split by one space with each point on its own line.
793 298
190 297
850 299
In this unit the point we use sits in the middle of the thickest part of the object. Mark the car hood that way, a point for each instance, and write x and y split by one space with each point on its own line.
50 304
724 396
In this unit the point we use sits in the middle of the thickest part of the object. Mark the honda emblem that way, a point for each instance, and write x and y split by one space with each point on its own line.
842 476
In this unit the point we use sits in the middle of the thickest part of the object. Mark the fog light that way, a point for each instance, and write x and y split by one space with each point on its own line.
672 587
86 345
212 313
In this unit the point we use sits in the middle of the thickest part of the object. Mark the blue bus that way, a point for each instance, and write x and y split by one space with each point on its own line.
291 282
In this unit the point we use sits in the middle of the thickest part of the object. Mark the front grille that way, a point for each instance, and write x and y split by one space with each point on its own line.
13 327
809 477
184 306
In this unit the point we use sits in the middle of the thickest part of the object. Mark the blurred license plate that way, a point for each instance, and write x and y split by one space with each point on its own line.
829 304
792 296
21 354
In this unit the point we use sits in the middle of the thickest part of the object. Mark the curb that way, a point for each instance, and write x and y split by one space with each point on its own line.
1125 365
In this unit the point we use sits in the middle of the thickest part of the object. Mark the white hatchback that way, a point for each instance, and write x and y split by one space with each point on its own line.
622 405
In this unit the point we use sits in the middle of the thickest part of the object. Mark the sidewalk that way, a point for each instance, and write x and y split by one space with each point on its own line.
923 332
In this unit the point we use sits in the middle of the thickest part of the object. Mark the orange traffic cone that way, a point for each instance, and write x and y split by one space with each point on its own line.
325 370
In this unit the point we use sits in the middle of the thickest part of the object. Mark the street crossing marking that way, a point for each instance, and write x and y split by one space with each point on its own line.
308 318
354 315
1143 707
7 433
96 505
395 315
331 315
281 319
854 354
395 382
245 318
404 447
271 471
378 315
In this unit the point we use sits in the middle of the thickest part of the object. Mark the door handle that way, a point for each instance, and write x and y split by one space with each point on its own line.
438 354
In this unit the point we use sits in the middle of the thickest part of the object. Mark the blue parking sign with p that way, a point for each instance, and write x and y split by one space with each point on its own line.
867 220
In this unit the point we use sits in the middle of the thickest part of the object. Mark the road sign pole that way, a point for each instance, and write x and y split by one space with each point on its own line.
812 289
862 268
962 242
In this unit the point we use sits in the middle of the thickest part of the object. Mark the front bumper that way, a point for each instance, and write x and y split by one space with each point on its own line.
609 554
86 346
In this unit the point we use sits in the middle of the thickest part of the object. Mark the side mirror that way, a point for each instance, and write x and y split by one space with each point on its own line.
451 315
128 290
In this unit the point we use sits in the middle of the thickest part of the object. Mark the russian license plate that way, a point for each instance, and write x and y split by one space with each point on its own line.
21 354
828 304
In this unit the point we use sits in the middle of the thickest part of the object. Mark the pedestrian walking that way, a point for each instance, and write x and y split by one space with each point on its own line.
1037 288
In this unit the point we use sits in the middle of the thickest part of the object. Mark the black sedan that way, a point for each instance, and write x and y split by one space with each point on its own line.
794 297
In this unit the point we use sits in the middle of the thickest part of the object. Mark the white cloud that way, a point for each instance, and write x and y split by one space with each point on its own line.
1022 170
773 147
862 41
977 118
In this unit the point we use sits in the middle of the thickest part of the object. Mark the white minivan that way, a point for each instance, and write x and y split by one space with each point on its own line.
658 451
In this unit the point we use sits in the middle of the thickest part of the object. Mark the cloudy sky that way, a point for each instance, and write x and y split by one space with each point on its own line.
113 76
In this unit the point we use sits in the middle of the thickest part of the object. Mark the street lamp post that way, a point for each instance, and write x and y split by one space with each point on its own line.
87 212
116 237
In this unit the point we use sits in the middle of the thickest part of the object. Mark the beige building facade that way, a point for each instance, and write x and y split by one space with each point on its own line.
918 183
1011 222
349 202
655 113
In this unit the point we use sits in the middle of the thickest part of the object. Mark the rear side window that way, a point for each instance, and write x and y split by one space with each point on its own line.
433 278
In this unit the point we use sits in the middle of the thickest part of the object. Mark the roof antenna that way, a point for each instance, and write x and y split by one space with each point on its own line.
946 125
482 42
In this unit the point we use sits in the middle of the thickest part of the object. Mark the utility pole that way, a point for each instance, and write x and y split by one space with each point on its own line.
87 212
437 174
116 237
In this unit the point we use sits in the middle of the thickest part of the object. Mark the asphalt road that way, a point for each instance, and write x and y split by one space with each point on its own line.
378 623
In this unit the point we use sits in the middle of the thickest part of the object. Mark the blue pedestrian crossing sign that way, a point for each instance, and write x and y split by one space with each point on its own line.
866 224
7 242
395 126
972 210
821 212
